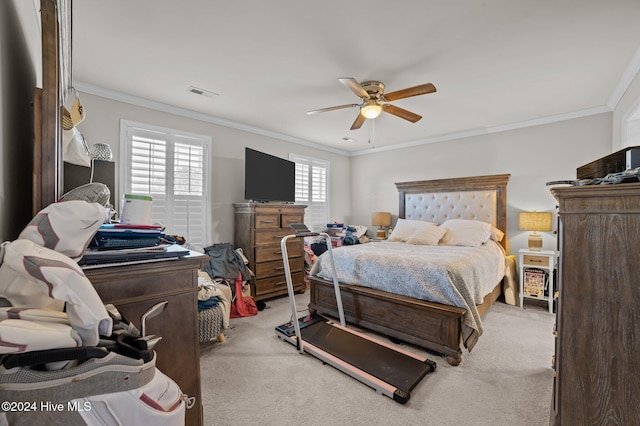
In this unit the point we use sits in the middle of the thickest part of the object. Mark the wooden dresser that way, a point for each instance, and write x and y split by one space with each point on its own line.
258 229
598 316
135 288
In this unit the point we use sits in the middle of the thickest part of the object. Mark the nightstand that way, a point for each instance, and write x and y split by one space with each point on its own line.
538 268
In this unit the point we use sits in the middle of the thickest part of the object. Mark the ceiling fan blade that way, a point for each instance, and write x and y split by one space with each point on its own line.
360 119
400 112
355 87
316 111
422 89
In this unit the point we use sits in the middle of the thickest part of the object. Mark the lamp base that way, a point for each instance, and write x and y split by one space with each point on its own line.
381 234
535 242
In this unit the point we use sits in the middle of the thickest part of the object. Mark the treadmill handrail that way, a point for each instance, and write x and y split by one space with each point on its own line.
287 273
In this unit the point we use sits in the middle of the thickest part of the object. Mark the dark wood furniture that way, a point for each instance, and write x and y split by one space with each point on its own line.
47 158
430 325
258 229
135 288
598 308
612 163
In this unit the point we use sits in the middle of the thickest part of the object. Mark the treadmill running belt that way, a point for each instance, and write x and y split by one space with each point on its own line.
400 370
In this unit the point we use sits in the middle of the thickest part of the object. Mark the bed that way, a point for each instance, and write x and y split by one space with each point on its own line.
437 326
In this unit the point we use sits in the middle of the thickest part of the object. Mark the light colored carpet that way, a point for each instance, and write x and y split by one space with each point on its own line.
254 378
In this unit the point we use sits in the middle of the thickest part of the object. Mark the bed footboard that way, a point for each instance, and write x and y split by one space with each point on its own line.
429 325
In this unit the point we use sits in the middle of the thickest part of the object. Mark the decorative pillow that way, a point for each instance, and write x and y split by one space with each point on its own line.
406 228
428 236
496 234
464 232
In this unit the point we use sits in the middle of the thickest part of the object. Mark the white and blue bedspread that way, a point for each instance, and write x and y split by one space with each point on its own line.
450 275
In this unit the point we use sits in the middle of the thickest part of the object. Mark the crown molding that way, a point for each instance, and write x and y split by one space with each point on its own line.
630 72
182 112
627 77
488 130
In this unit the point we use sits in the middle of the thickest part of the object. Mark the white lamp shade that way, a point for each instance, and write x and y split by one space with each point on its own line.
371 110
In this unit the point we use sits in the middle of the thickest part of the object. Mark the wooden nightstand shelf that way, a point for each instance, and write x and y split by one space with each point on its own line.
539 267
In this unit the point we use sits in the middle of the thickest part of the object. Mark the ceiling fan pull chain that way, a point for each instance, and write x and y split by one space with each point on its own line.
372 131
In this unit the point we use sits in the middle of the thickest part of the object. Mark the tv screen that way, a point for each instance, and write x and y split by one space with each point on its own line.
268 178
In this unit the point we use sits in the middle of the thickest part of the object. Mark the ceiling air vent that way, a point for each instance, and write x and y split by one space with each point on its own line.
203 92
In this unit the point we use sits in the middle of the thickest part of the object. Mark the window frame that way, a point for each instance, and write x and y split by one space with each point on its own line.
127 131
299 158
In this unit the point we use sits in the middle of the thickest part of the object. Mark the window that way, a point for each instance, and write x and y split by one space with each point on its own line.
312 189
173 168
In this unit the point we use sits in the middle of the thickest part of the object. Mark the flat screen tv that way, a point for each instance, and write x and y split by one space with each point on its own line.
268 178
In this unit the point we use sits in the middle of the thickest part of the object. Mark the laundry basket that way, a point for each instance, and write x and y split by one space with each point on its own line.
210 323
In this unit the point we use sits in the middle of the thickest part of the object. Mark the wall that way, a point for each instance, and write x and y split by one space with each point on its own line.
102 124
19 38
533 156
628 104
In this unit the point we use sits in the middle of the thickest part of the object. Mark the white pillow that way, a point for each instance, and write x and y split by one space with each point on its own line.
428 236
496 234
464 232
406 228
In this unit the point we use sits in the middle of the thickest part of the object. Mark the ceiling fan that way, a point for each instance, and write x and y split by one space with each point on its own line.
375 101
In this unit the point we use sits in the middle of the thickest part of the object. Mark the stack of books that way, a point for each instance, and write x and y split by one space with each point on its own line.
120 243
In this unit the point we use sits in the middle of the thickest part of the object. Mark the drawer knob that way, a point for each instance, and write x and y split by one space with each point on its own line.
553 361
556 294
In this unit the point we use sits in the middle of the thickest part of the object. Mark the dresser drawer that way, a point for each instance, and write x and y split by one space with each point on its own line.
536 260
264 237
267 221
277 284
276 267
288 219
274 252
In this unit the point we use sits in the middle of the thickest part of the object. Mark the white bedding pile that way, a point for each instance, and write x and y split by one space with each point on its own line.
451 275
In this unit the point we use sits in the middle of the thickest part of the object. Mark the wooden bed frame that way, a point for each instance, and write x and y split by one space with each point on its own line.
430 325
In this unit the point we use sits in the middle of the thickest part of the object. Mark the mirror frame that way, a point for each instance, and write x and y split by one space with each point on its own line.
55 18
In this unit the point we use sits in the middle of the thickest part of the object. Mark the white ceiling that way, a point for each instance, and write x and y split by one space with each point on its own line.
494 62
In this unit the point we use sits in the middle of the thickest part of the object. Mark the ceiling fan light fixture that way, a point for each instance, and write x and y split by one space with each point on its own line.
371 110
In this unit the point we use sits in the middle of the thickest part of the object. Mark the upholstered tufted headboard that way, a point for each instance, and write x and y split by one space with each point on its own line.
476 197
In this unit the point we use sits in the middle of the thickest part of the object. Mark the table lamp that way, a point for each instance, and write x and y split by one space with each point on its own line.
382 220
535 221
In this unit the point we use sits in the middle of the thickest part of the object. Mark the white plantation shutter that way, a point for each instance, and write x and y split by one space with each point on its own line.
189 209
172 167
312 189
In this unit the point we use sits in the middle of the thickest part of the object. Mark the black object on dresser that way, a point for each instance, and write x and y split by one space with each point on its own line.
612 163
596 380
258 230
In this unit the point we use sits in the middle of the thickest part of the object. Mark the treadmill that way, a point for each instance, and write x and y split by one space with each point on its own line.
389 370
